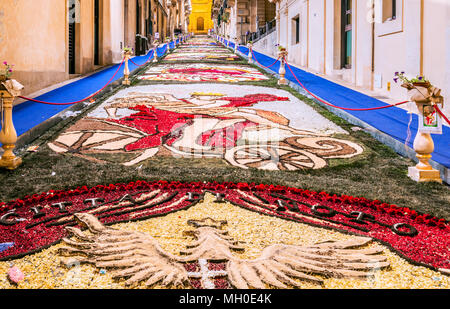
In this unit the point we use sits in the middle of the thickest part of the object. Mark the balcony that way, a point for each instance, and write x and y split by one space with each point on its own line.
268 28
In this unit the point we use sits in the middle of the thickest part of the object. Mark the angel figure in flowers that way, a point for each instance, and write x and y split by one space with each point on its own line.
203 125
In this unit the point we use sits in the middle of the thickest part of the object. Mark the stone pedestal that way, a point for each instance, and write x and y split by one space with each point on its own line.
250 54
155 54
282 71
8 135
424 175
126 71
423 94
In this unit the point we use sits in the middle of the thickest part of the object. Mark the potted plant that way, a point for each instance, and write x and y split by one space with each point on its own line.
281 48
418 87
128 51
6 71
409 83
226 17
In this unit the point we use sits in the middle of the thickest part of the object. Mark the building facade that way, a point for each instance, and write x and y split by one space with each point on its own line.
242 19
52 41
360 43
200 18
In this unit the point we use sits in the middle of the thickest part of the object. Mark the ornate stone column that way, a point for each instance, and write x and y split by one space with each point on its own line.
250 54
282 54
126 71
425 96
9 90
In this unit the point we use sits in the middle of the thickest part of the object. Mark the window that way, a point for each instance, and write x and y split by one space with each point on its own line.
388 16
200 24
346 34
96 32
296 30
74 13
138 17
389 10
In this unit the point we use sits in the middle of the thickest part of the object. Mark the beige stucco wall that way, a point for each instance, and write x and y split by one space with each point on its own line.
85 35
117 30
25 41
34 37
201 8
437 46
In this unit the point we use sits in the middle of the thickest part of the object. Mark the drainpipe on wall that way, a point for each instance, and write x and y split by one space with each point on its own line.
373 46
278 4
286 13
422 8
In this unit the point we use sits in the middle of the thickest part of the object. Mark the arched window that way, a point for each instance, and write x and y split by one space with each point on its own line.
200 24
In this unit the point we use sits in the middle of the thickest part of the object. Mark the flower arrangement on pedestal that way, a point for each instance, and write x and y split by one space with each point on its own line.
419 88
226 17
128 51
411 83
6 71
280 48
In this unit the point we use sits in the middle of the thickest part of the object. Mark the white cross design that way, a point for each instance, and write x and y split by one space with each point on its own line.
206 275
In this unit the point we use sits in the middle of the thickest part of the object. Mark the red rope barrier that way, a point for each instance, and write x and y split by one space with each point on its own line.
260 62
343 108
75 102
147 61
441 113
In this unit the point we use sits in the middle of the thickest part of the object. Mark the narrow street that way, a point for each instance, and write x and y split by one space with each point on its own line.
203 101
204 142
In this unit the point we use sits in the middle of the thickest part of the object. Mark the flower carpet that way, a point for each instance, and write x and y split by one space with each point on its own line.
201 56
202 49
207 234
400 247
200 72
258 129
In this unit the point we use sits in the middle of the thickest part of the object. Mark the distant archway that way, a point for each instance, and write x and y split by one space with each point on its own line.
200 24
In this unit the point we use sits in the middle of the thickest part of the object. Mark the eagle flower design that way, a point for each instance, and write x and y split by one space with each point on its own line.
138 257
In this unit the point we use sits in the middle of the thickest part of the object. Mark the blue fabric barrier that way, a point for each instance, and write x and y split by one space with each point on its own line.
243 49
160 51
